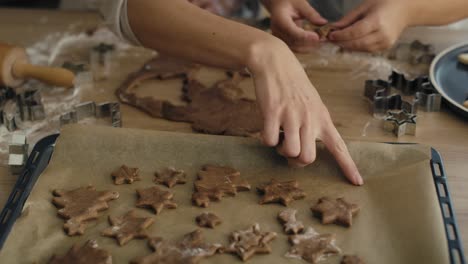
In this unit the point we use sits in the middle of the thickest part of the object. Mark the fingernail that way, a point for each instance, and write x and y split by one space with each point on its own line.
360 180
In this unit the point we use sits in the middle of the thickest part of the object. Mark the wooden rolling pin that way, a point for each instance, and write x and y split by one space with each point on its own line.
15 69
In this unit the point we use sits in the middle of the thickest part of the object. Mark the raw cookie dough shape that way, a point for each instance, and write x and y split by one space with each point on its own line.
127 227
352 259
170 177
126 175
208 220
89 253
289 222
215 182
191 249
247 243
161 68
322 31
79 206
312 246
337 211
280 192
220 109
155 198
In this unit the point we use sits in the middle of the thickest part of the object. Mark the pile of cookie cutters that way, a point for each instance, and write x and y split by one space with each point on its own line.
398 99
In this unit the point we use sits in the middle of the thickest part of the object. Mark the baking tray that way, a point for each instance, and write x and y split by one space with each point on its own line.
42 152
450 77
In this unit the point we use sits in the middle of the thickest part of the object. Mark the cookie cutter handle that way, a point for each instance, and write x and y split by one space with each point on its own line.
445 201
37 162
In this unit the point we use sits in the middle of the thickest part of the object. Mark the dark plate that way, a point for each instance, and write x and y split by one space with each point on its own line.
450 77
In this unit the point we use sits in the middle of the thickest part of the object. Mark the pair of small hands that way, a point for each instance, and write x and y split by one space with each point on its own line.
373 26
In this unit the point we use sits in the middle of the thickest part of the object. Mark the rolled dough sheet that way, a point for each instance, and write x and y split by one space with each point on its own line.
400 219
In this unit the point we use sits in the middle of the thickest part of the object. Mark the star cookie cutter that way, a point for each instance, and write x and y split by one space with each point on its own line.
405 85
400 123
85 110
429 99
383 98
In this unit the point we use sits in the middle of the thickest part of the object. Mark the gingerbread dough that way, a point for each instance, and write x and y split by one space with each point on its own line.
322 31
125 175
219 110
247 243
127 227
81 205
215 182
161 68
89 253
312 246
290 224
208 220
280 192
350 259
337 211
155 198
170 177
191 250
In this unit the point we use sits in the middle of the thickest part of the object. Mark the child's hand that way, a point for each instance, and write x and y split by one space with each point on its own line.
373 26
286 16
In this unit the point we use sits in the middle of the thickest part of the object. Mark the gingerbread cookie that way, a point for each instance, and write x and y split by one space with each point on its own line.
322 31
170 177
208 220
290 224
280 192
155 198
125 175
127 227
351 259
247 243
312 246
89 253
192 249
336 211
81 205
215 182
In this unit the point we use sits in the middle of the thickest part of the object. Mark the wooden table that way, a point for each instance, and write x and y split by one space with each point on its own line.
340 91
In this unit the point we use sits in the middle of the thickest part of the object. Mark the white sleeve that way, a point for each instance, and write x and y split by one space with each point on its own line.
115 15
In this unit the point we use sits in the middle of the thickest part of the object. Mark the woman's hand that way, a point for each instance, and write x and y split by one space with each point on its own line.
373 26
286 18
290 102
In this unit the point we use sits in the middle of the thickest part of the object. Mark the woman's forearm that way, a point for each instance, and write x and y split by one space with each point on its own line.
437 12
181 29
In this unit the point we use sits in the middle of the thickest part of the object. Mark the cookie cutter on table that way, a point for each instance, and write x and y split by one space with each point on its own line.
16 108
400 123
17 153
382 98
85 110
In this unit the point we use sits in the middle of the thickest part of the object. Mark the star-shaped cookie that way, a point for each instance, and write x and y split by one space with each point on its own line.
208 220
127 227
280 192
336 211
290 224
125 175
81 205
247 243
191 250
312 246
215 182
155 198
170 177
88 253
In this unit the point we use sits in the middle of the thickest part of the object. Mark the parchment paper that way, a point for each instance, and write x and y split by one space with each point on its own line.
400 219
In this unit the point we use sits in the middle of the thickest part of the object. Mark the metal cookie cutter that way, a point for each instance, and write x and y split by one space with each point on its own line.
429 99
382 99
30 106
400 123
18 153
92 110
407 86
